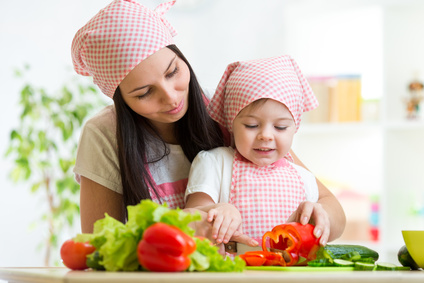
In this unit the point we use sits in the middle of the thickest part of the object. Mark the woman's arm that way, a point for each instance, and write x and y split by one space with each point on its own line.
95 201
327 214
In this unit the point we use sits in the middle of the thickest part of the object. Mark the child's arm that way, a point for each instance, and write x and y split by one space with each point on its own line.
225 217
327 214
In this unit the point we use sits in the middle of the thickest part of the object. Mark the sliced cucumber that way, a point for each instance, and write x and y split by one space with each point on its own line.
320 262
343 263
367 260
351 256
387 266
363 266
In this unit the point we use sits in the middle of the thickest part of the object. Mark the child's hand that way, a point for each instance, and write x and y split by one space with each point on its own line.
314 213
226 222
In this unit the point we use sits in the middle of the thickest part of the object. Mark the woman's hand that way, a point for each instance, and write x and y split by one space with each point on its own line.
313 213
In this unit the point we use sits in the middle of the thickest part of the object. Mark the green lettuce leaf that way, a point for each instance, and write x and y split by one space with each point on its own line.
117 243
207 258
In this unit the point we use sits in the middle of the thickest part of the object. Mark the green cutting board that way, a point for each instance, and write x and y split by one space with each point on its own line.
299 268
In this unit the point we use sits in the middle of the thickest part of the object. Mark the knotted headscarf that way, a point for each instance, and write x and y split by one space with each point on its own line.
117 39
277 78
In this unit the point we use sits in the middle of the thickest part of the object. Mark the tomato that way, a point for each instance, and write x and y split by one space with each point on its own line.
74 254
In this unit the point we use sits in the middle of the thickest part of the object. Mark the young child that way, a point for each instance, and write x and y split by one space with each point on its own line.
260 102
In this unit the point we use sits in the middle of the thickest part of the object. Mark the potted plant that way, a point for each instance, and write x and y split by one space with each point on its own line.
43 149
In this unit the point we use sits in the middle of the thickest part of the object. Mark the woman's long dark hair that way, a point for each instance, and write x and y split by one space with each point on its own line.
195 131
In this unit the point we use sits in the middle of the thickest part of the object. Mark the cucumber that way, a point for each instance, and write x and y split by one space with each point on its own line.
343 263
363 266
93 261
320 262
367 260
405 258
340 250
386 266
352 256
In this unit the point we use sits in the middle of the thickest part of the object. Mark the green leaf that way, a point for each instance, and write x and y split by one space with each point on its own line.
35 187
66 96
15 135
45 99
65 164
68 130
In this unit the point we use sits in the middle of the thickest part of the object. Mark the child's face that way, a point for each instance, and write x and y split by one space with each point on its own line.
263 132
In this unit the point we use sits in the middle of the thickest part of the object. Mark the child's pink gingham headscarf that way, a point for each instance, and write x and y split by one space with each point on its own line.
117 39
278 78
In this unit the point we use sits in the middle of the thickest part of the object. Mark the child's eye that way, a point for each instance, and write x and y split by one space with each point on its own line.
175 71
250 126
281 128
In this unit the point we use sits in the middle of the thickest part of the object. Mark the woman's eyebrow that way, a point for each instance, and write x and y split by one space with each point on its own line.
137 88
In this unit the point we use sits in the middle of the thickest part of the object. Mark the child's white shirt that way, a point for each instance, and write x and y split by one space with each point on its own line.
211 173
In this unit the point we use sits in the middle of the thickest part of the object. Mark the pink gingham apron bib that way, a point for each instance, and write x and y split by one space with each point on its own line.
171 193
265 196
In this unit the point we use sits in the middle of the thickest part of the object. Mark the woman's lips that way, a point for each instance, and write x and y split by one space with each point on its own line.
176 109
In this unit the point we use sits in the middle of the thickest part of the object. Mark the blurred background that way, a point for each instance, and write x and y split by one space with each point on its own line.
364 60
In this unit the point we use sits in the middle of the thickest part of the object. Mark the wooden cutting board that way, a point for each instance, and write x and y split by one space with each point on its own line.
299 268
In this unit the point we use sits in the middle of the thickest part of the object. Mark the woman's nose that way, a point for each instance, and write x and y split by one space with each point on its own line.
169 95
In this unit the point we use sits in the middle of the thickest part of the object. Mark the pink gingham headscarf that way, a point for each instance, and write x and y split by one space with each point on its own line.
277 78
117 39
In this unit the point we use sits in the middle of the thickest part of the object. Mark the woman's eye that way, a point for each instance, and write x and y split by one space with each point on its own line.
144 95
171 74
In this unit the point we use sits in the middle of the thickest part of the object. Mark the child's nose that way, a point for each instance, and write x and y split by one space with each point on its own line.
265 134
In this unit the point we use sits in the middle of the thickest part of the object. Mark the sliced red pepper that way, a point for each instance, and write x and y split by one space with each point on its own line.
165 248
259 258
295 239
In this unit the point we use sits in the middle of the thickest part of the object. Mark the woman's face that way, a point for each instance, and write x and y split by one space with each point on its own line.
157 88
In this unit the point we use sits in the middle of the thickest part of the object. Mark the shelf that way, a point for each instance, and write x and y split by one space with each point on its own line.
328 128
405 125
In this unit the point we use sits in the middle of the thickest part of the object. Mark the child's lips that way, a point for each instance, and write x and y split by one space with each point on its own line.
264 150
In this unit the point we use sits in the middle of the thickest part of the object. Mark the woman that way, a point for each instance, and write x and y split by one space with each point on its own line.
143 145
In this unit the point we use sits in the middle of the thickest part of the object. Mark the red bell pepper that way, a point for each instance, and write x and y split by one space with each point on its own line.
259 258
294 240
165 248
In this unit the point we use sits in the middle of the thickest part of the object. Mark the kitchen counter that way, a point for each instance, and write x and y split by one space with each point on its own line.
58 275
